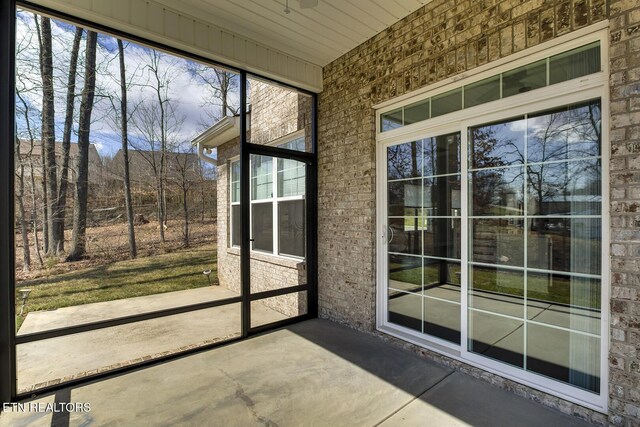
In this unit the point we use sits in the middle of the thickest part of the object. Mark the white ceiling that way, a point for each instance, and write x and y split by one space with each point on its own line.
318 35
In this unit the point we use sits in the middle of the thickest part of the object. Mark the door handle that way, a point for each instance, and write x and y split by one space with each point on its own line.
387 234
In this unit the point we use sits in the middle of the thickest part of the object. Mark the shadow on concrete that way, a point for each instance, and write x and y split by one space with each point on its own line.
446 400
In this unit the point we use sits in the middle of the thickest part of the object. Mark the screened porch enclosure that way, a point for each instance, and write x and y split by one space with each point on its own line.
188 214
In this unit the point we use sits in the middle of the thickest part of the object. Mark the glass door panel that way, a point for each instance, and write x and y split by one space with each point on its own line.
278 239
535 229
424 236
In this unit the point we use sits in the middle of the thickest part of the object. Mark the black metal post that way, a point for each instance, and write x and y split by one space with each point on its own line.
312 215
245 200
7 221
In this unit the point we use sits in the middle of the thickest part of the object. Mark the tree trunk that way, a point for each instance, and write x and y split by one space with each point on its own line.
185 210
24 231
163 151
125 153
34 211
159 211
78 239
202 199
45 205
49 138
66 138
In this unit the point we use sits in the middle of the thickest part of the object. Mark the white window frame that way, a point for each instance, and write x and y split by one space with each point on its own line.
230 163
274 200
574 91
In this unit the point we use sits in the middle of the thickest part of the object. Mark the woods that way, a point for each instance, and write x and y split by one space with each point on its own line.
104 130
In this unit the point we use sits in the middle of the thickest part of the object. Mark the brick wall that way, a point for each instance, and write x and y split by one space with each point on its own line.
624 358
275 113
438 41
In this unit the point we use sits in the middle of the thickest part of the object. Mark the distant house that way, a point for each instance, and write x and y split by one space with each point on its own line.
32 153
144 165
182 171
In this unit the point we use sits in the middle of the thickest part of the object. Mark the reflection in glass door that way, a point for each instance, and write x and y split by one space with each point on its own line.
424 235
535 243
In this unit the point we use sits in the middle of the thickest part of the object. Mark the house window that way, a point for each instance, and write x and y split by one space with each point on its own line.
235 203
493 245
277 203
575 63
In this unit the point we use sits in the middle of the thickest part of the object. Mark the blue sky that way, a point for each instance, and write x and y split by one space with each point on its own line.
188 97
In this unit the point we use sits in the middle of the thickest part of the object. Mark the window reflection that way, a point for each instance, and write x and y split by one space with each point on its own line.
417 112
524 79
441 196
261 177
442 319
447 102
442 155
565 188
405 309
391 120
497 337
498 241
567 356
442 237
497 290
404 160
575 63
405 235
483 91
563 244
405 198
497 144
560 312
498 191
564 300
405 273
442 279
567 133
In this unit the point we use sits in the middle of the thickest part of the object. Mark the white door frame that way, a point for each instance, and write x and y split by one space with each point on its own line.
574 91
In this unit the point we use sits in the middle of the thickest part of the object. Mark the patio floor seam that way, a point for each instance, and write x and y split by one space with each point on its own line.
413 399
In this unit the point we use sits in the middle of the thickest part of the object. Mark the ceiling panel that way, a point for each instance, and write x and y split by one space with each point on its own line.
318 35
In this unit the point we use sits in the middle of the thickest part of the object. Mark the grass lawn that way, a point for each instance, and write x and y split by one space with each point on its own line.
122 279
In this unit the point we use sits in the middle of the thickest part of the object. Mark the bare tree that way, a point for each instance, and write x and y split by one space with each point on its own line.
49 175
27 158
186 173
78 240
61 203
24 232
125 151
24 159
220 84
157 123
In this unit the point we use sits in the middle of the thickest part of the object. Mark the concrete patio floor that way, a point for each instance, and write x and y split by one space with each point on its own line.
312 373
72 356
38 321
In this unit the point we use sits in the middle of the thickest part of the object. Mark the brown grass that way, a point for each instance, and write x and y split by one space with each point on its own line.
109 243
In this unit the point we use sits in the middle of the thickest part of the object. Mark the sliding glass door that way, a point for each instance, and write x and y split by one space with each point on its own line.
492 243
535 230
423 193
